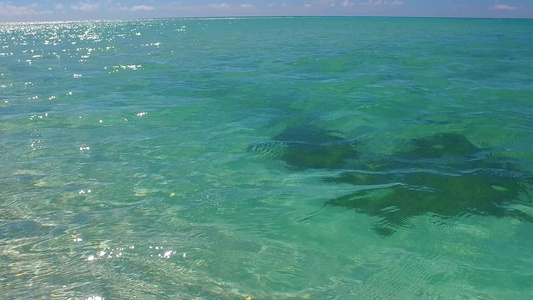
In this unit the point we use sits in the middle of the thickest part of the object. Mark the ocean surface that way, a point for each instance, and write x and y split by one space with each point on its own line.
267 158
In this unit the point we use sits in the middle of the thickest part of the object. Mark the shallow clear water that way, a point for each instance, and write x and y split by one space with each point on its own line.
129 169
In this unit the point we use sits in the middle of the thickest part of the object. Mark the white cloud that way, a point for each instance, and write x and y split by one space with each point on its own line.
246 5
9 10
86 6
141 8
503 7
347 3
382 2
218 6
59 6
375 2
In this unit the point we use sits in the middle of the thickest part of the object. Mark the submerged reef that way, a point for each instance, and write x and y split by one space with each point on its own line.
308 147
442 175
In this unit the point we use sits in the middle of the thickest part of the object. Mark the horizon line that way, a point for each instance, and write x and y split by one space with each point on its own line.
256 17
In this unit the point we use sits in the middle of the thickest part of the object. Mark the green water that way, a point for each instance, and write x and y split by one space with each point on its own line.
174 159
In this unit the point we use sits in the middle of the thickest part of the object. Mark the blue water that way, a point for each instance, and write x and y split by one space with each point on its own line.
143 159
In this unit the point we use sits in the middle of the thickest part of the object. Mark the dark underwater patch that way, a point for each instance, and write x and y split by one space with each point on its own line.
308 147
442 144
443 175
22 229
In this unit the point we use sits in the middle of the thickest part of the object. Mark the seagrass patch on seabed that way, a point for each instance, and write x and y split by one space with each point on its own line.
443 175
308 147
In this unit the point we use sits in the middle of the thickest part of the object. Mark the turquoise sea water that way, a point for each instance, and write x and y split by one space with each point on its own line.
195 158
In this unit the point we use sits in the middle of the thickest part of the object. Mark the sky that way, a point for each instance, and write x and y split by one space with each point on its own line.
66 10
